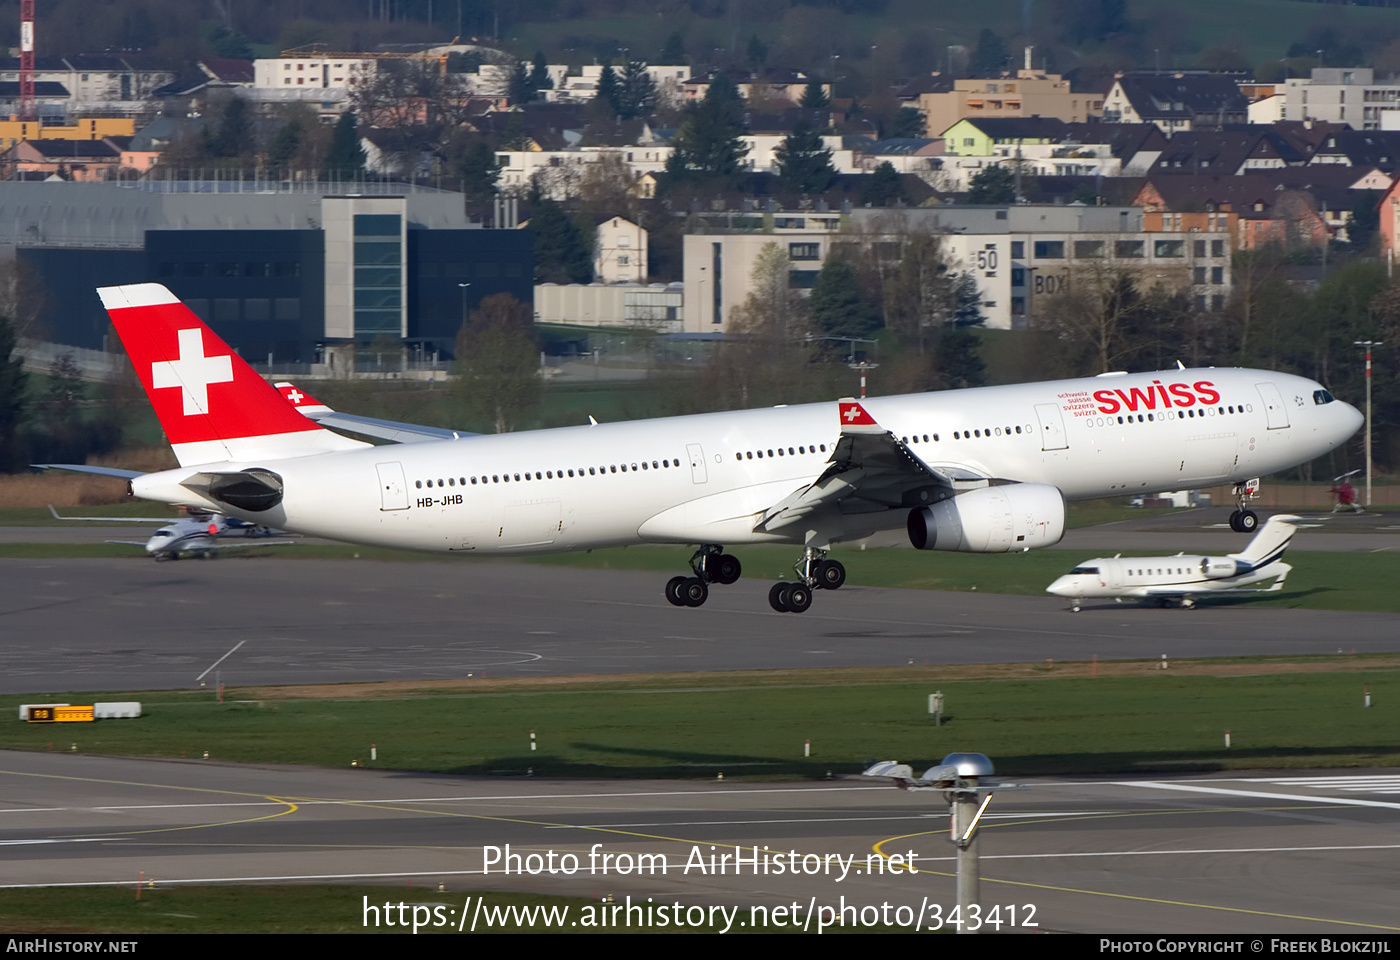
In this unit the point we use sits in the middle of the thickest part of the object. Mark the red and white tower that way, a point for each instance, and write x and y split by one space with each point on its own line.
26 61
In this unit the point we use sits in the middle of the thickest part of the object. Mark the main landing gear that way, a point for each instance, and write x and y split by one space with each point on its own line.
711 565
1244 520
814 572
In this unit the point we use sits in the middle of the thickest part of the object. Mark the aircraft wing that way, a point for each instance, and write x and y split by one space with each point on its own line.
84 468
871 470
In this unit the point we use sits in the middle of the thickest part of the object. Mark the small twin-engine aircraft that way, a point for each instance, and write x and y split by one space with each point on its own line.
200 534
1182 578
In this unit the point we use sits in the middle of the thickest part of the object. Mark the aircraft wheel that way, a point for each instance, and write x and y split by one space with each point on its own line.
797 597
775 597
673 591
694 591
1235 521
172 555
830 575
1075 608
727 568
1249 521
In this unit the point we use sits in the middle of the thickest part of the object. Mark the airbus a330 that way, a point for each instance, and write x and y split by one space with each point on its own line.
982 470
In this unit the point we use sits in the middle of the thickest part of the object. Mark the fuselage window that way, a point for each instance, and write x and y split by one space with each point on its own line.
935 436
760 454
977 434
749 454
823 448
780 451
451 482
495 478
418 484
614 469
624 468
738 456
473 481
590 471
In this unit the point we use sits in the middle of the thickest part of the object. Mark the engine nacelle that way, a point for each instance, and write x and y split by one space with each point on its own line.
1013 516
1221 568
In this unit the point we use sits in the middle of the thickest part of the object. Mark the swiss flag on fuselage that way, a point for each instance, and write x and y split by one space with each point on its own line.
200 389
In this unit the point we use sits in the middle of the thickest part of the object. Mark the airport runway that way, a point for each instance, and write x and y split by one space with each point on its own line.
80 625
1287 853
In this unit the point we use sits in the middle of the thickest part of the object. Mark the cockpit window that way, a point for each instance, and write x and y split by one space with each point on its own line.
1322 396
1093 570
163 533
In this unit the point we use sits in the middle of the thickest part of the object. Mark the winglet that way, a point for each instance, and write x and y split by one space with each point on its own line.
856 419
305 403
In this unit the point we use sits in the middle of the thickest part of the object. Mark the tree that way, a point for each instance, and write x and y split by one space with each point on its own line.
561 254
814 97
283 148
519 88
539 74
12 393
498 363
884 187
967 302
638 91
346 159
992 185
610 89
608 187
989 56
479 172
909 122
233 136
919 297
707 148
804 162
757 51
673 53
836 304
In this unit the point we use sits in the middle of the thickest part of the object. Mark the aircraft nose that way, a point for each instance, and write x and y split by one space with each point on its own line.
1353 419
1059 588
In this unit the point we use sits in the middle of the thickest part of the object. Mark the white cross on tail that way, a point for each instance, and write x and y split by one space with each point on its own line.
193 372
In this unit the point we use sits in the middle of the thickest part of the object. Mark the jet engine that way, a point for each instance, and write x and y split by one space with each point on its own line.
254 490
1000 519
1221 568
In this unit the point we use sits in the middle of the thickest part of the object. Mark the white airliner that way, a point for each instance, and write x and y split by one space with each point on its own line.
983 470
201 534
1180 579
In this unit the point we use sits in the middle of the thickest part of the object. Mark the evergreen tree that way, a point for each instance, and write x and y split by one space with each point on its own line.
610 89
967 303
479 172
519 89
235 130
814 97
908 122
757 51
804 162
708 147
561 254
346 159
11 399
884 187
673 54
284 146
989 58
837 308
960 360
992 185
539 74
638 96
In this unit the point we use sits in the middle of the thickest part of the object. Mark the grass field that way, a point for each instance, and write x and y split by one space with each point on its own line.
1033 719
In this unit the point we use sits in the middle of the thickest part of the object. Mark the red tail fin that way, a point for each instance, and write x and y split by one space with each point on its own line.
212 406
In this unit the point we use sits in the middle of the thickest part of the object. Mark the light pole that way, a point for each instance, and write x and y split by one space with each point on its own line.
1368 344
464 302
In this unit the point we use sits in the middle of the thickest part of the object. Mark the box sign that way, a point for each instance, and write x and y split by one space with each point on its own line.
64 714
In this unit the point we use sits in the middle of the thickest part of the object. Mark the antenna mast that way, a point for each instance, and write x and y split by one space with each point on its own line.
26 61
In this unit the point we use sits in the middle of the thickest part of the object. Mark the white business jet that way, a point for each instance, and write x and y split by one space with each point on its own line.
985 470
200 534
1182 578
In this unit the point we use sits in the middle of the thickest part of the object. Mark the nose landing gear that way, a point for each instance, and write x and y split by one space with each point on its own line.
1244 520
